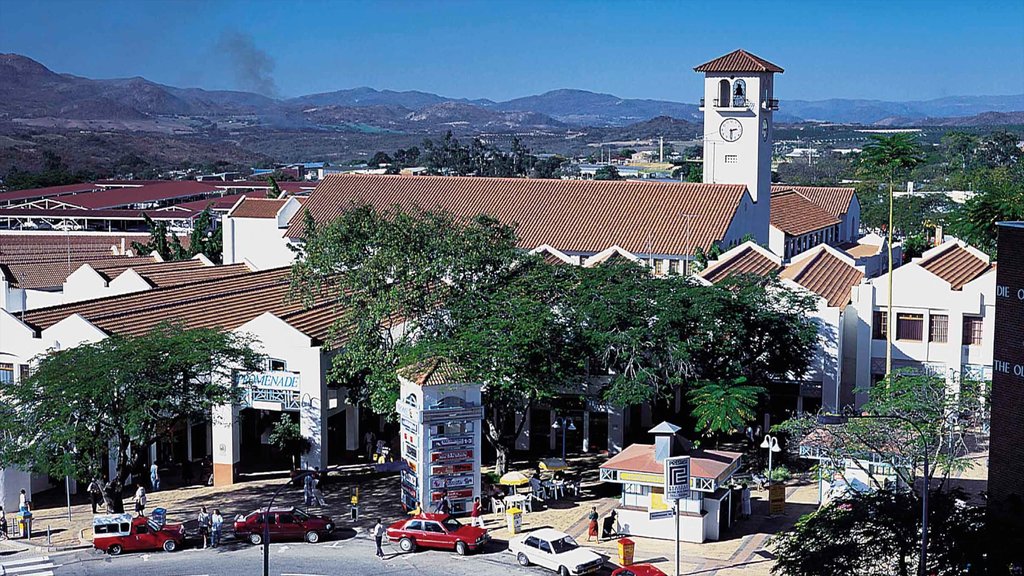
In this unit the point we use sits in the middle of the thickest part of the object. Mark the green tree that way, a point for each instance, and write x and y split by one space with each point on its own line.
914 246
204 239
724 407
877 534
999 198
120 394
891 155
287 436
607 173
275 190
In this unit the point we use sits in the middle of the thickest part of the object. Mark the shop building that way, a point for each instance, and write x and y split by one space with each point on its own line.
643 509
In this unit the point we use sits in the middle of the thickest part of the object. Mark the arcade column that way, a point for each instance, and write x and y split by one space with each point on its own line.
226 446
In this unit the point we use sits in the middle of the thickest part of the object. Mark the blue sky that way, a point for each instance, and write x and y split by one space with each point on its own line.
886 50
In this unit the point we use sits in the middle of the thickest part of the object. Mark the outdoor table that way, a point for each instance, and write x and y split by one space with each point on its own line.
520 501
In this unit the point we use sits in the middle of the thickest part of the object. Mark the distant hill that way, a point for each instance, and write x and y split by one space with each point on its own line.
583 108
878 111
983 119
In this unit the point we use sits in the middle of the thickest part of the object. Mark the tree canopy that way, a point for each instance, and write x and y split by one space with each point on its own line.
123 391
204 239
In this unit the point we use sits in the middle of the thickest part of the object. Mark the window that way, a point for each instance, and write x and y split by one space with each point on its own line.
739 94
277 365
544 546
432 527
285 519
938 331
142 529
723 93
414 525
972 330
6 373
532 541
910 327
731 158
879 325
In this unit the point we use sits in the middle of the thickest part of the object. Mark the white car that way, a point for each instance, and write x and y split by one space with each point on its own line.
556 551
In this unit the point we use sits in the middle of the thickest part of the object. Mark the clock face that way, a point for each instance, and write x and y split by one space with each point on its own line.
731 130
764 129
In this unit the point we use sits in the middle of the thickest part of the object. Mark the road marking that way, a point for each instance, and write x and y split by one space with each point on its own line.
298 574
283 548
38 566
145 557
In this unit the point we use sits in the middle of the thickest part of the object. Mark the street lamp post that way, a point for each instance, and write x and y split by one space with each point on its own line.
565 424
772 444
301 476
842 419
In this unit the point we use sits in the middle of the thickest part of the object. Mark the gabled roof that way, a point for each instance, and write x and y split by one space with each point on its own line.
582 216
432 372
258 208
225 303
747 258
552 255
826 272
45 259
738 61
48 192
795 215
160 274
834 200
116 197
955 263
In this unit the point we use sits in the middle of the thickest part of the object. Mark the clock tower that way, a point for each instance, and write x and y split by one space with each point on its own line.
738 104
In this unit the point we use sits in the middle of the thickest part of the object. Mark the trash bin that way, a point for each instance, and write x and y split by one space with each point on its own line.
625 551
24 525
514 518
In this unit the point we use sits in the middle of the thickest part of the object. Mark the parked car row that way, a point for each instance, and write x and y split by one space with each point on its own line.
117 533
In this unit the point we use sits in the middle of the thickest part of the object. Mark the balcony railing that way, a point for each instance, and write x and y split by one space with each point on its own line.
732 103
770 104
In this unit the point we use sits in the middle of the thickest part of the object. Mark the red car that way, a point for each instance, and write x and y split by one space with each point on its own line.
116 533
439 531
638 570
285 524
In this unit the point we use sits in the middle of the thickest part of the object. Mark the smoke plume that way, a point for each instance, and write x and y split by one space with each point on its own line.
252 67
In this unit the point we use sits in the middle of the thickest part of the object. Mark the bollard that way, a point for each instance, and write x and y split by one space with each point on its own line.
47 535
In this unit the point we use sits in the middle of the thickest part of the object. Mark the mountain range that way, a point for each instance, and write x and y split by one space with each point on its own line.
31 94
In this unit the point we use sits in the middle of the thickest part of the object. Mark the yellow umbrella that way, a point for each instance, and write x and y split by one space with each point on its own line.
514 479
553 464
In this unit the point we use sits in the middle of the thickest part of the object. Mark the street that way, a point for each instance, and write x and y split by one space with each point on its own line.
337 557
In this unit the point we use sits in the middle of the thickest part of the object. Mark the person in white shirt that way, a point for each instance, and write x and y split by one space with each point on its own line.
378 537
216 521
140 500
205 524
22 500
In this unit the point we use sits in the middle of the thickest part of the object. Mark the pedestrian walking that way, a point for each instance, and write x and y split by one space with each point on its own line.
369 440
95 494
379 455
318 494
378 537
592 526
745 501
3 524
216 523
307 488
205 523
154 476
475 517
140 500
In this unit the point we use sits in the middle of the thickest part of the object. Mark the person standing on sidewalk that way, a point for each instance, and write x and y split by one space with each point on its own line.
307 488
3 524
205 522
378 537
216 523
95 494
475 519
318 494
140 500
154 476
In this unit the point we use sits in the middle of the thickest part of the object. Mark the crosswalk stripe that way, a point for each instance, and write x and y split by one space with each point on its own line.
23 570
35 560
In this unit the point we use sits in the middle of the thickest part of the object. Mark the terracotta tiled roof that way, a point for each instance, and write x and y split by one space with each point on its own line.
796 215
584 216
224 303
703 463
745 261
858 250
433 372
738 61
825 274
160 274
49 192
163 191
955 265
258 208
835 201
45 259
104 214
220 203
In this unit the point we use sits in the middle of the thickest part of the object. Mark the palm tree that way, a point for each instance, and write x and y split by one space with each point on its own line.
892 155
724 407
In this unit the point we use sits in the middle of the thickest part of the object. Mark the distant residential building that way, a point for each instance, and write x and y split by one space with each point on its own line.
804 216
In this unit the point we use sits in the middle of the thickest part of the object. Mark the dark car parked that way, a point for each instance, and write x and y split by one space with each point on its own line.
285 524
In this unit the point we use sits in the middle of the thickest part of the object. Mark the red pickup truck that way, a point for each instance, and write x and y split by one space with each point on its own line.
116 533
